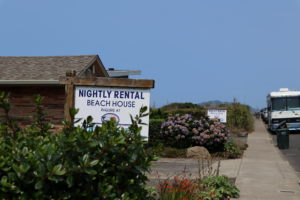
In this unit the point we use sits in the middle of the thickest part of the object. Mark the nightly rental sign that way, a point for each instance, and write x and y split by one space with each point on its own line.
217 114
104 104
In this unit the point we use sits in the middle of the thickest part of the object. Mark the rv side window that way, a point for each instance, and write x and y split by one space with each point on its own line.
279 104
293 103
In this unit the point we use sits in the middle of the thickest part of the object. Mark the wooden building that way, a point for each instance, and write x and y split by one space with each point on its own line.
24 77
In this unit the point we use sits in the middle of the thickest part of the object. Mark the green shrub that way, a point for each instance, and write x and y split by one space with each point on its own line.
239 117
242 145
88 162
157 113
154 131
218 187
195 110
232 149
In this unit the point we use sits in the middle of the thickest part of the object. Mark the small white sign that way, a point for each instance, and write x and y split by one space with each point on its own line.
217 114
117 103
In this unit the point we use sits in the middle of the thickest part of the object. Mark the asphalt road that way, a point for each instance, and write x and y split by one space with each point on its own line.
293 153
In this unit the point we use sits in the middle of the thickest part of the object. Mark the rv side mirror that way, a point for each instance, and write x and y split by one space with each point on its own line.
269 108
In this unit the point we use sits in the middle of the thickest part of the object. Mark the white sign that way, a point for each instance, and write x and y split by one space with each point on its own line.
217 114
117 103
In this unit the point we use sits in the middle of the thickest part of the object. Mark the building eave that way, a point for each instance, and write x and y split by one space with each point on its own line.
29 82
123 73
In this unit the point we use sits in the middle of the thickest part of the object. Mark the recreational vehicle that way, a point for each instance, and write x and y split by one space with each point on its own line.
284 105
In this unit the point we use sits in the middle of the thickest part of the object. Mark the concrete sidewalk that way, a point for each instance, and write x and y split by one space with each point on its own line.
262 174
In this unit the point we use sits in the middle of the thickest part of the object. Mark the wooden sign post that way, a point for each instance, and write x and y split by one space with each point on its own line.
119 95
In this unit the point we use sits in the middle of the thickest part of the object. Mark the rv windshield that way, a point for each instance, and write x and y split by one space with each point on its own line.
293 103
279 104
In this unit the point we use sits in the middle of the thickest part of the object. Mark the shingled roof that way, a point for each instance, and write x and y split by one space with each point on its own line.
46 68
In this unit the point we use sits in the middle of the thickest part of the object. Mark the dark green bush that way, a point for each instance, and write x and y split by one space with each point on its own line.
86 162
197 113
218 187
177 106
157 113
195 110
154 131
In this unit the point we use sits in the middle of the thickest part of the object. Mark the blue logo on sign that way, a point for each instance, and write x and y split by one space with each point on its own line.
109 116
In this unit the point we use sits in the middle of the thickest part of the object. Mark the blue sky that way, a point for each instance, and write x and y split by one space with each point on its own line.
195 50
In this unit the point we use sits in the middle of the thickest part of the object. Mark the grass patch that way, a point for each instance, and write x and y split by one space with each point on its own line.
169 152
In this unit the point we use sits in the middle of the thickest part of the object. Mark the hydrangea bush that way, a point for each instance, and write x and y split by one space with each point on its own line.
182 131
